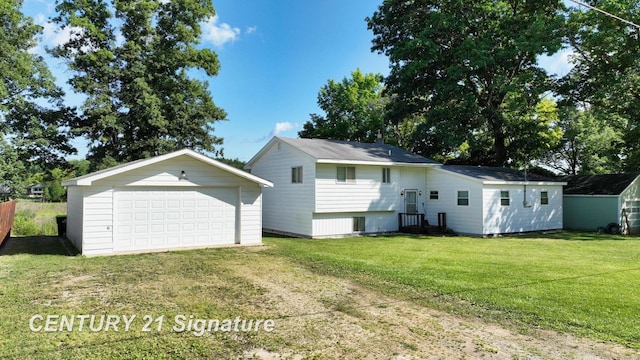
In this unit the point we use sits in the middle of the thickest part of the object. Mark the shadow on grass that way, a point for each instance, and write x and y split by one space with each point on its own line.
572 235
37 245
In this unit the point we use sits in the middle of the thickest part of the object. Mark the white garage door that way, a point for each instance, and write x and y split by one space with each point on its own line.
169 218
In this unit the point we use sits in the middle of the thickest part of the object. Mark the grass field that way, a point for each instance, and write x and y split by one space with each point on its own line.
586 284
37 218
578 283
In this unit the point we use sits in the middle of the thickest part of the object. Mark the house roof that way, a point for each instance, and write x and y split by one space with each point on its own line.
88 179
350 152
489 175
600 184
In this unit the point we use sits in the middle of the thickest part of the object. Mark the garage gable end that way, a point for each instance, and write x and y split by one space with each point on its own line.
175 167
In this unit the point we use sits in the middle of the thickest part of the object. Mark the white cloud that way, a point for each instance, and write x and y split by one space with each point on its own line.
251 29
278 129
282 127
219 34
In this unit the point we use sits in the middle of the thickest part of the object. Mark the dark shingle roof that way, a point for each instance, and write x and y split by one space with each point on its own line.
495 173
600 184
322 149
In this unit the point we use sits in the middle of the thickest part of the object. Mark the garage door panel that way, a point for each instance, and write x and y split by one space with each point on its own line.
175 218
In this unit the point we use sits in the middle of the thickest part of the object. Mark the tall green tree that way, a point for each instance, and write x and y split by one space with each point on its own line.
32 115
354 109
606 71
132 60
457 63
591 143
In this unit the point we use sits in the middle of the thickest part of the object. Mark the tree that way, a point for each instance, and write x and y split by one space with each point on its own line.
458 62
354 109
12 169
591 143
131 59
32 115
606 71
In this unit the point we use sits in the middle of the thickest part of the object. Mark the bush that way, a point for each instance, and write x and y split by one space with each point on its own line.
27 223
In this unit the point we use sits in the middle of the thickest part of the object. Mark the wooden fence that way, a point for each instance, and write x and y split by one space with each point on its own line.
7 212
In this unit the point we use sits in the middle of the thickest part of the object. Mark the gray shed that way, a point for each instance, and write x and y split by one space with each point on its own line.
596 201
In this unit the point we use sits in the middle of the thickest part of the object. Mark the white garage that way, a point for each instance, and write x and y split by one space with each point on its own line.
175 201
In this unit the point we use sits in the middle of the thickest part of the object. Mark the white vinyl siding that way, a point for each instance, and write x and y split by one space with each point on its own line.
367 194
278 214
329 225
462 219
517 217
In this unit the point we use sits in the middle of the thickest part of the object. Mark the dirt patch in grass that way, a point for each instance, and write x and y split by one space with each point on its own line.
327 317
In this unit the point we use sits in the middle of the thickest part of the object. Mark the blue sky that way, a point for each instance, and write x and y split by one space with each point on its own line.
275 56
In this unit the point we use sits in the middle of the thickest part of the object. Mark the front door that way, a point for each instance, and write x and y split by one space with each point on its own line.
411 201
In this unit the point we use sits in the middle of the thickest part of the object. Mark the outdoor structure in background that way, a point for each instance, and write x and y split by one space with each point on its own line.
604 202
7 214
35 191
174 201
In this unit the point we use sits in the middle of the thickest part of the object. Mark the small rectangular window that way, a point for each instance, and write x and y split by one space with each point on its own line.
386 175
504 198
358 224
296 175
463 198
346 174
434 195
544 198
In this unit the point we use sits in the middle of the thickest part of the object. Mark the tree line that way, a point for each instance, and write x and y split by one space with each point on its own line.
130 59
466 85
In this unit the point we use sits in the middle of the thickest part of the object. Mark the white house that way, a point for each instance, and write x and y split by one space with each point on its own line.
484 201
328 188
174 201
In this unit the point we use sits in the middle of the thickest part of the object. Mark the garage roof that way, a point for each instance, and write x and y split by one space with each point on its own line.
88 179
598 184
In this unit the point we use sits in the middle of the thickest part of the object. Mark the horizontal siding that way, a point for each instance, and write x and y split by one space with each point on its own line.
286 207
337 225
589 212
251 216
98 221
515 217
366 193
167 173
462 219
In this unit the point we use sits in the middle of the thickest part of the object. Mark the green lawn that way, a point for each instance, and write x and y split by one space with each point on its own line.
586 284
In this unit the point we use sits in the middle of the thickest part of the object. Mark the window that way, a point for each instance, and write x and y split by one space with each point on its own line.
296 175
504 198
463 198
346 174
544 198
358 224
386 175
433 195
